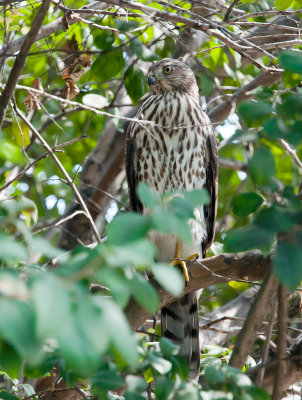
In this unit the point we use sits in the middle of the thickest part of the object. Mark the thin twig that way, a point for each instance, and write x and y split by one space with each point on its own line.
292 152
229 11
20 59
64 172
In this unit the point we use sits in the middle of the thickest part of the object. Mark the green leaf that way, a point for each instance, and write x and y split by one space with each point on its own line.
144 293
136 383
213 350
275 219
163 388
118 330
258 393
247 238
133 396
28 389
206 85
254 111
21 133
161 365
184 203
18 326
213 375
287 263
142 51
246 203
125 26
76 347
135 83
262 166
291 106
7 396
10 360
282 4
291 60
118 284
180 367
127 227
167 347
103 39
11 250
107 380
41 245
108 64
149 197
168 277
51 303
167 222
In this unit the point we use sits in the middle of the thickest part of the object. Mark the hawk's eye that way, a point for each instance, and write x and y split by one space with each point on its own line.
167 69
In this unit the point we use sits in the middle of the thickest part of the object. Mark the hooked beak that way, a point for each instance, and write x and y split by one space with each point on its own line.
151 80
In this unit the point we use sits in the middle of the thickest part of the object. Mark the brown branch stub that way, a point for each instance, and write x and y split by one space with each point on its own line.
250 265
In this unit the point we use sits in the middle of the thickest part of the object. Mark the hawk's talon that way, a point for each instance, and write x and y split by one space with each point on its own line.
183 266
192 257
183 263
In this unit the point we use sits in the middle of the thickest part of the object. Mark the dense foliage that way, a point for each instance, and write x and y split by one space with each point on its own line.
50 316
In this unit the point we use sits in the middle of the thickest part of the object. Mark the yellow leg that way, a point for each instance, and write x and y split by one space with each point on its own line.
182 263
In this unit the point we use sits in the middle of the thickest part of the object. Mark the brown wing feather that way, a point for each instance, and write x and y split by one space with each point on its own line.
131 171
211 185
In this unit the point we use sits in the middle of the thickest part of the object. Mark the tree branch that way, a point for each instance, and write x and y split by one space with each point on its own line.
250 265
20 59
223 110
246 336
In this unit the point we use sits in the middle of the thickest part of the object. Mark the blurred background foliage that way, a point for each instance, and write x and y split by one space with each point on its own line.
49 318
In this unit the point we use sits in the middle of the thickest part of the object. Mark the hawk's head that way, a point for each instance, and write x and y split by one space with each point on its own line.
172 75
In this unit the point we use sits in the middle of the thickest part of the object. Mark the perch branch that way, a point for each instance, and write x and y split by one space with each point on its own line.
250 265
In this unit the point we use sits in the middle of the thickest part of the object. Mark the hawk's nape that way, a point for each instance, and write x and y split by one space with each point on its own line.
177 152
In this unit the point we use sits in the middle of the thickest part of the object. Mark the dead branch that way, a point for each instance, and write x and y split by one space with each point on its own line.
246 336
250 265
20 59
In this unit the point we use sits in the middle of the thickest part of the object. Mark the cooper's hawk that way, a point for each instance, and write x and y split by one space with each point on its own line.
178 152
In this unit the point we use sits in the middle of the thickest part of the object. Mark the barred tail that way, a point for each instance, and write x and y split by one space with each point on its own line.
179 321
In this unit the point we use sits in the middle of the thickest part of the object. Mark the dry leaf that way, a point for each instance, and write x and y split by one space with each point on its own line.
69 92
32 99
